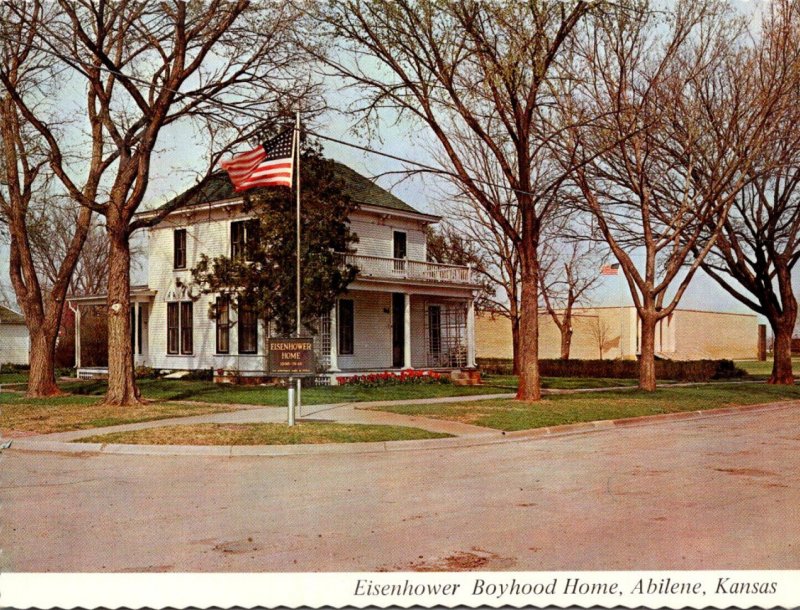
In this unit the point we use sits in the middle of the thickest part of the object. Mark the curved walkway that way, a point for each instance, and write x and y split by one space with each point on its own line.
462 435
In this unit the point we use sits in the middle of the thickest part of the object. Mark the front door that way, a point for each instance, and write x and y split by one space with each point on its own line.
398 329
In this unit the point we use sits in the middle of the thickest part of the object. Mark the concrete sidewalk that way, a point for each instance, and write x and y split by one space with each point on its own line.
462 435
350 413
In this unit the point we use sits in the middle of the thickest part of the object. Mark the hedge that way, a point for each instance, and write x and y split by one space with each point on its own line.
678 370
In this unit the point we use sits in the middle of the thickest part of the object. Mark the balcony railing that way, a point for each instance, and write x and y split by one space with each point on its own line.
404 269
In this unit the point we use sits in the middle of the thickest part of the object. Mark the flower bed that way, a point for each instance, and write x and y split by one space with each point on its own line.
389 378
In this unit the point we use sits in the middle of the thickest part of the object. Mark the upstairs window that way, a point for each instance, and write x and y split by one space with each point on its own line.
399 250
400 240
244 238
179 249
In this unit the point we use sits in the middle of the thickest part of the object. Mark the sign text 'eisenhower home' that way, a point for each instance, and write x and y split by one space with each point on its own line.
291 356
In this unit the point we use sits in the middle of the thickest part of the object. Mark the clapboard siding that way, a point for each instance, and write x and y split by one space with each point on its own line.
208 233
14 344
376 235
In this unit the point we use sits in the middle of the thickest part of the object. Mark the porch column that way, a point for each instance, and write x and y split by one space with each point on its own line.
77 311
407 331
137 309
471 333
334 326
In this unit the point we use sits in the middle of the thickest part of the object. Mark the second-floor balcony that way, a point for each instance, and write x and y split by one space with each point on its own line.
379 267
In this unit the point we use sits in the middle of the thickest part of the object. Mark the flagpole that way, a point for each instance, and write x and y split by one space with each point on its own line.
297 152
297 227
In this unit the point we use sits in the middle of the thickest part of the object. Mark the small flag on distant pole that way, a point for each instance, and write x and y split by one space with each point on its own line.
610 269
270 164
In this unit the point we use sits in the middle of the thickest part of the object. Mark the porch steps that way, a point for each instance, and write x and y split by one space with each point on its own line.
468 377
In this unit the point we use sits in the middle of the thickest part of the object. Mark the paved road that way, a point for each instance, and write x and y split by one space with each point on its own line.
722 492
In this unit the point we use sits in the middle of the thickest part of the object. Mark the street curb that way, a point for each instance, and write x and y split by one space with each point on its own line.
470 440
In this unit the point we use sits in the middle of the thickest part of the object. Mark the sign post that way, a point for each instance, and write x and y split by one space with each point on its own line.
293 358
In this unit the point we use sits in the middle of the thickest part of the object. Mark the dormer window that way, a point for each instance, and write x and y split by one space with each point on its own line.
179 249
244 238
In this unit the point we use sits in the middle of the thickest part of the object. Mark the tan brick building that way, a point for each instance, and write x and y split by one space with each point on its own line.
613 332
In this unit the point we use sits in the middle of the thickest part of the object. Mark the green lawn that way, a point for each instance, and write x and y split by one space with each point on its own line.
264 434
13 378
509 382
207 391
759 368
62 413
571 408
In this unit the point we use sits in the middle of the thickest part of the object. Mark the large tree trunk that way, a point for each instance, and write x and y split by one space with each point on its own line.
529 379
782 354
42 376
122 388
647 357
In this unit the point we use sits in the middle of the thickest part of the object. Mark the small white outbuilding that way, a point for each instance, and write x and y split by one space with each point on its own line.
15 343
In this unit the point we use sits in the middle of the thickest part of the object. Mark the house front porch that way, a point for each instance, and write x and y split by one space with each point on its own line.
141 303
372 331
380 324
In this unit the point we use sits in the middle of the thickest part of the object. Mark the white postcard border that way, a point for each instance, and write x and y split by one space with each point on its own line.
664 589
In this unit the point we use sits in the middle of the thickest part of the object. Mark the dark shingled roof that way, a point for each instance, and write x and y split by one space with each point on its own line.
360 189
9 316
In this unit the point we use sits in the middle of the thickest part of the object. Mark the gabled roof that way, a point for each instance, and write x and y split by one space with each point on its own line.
364 191
9 316
361 190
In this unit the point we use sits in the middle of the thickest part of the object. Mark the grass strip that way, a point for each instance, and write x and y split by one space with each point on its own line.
206 391
303 433
555 410
13 378
63 413
763 368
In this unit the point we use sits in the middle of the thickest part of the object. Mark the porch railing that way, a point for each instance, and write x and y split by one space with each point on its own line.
401 268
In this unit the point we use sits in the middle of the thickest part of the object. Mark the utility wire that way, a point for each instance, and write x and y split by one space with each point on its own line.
429 168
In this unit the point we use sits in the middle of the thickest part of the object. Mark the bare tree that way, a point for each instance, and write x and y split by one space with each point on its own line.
755 254
499 260
474 73
49 238
6 297
449 245
668 155
570 269
601 332
146 67
27 71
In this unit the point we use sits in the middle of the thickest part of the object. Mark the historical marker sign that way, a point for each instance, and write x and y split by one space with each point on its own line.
293 356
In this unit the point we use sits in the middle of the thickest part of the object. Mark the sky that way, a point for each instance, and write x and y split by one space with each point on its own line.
182 153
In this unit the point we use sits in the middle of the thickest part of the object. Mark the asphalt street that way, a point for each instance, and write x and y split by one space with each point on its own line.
715 493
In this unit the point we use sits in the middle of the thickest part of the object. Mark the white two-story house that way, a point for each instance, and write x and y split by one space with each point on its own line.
401 312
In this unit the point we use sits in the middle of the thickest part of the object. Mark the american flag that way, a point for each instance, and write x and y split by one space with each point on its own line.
267 165
609 269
